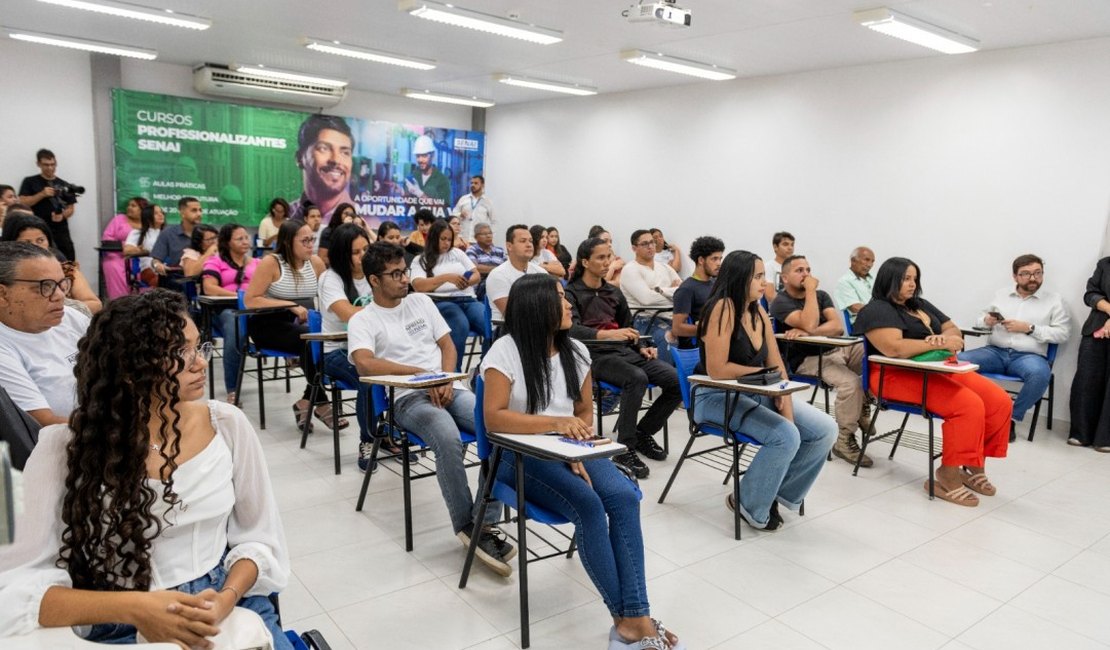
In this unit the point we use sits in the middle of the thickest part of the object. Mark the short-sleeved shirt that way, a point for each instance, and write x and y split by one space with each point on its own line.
227 274
146 244
852 289
492 257
453 261
46 207
501 279
37 369
883 313
782 306
407 334
171 244
330 292
504 357
266 228
689 298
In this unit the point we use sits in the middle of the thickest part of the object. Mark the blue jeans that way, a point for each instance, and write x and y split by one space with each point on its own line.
790 456
657 328
339 368
225 321
463 315
606 522
439 429
1031 367
120 634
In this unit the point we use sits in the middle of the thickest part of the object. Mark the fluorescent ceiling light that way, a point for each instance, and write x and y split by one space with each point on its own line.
99 47
675 64
429 96
916 31
539 84
459 17
377 56
285 75
138 12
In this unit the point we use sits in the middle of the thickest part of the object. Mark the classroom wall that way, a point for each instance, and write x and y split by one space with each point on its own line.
960 163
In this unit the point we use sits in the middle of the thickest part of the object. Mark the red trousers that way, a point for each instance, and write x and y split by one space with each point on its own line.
976 411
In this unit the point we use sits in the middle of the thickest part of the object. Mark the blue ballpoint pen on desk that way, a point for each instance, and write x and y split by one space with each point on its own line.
428 377
783 385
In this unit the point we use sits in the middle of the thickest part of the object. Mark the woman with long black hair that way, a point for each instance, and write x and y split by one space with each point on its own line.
735 339
153 511
537 381
448 276
224 275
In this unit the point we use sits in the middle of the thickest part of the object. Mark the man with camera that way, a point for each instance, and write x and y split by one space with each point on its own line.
52 200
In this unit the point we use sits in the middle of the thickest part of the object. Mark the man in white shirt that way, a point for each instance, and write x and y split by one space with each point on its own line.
403 334
475 208
853 289
783 244
519 249
1023 321
38 333
649 287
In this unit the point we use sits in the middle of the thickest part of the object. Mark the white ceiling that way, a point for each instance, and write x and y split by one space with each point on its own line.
755 37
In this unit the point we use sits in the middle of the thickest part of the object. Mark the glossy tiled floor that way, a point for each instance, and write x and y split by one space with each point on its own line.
873 564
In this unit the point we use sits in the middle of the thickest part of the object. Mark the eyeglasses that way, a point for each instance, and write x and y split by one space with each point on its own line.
1025 275
307 241
645 244
48 287
189 355
396 275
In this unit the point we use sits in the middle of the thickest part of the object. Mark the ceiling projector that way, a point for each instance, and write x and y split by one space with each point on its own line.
664 12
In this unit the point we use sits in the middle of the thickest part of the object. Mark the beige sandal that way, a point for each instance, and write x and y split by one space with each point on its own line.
961 496
979 482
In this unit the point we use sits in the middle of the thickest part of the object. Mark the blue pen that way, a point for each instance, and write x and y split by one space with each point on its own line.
428 377
783 385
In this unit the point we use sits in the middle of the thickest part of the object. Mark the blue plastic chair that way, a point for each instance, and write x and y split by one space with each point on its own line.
480 340
685 361
409 442
1051 356
259 354
326 382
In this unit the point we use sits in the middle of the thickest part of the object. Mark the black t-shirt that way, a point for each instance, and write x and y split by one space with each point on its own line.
45 208
878 314
689 298
782 306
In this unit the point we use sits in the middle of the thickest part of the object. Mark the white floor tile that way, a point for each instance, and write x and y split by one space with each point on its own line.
982 570
350 574
841 618
767 582
1075 607
1009 627
771 634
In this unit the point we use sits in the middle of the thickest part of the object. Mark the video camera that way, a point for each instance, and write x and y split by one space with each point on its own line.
65 192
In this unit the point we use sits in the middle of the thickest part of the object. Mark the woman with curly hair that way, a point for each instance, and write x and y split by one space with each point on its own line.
152 512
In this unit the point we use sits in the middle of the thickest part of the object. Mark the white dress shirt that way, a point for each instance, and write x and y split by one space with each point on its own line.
651 287
1044 309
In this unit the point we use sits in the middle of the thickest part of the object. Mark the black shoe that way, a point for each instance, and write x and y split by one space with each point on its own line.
490 549
776 518
773 523
631 462
647 446
1013 431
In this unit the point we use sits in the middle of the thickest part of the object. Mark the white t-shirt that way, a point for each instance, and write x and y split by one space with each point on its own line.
772 273
37 369
473 211
404 334
501 279
329 292
453 261
147 244
504 357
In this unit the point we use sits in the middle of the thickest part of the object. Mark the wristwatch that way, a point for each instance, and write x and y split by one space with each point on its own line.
1031 328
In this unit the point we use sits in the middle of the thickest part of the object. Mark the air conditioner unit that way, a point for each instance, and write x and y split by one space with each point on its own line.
223 82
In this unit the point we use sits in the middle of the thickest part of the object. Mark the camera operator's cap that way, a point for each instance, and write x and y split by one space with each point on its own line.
423 145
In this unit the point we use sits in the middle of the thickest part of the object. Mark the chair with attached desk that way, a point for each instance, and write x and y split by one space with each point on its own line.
325 382
615 391
812 380
248 348
1049 397
490 453
685 361
409 443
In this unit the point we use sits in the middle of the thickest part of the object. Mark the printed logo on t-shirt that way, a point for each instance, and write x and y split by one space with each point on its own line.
72 359
416 328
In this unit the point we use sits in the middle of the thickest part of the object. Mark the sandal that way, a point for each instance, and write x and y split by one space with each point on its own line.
324 413
961 496
302 416
978 482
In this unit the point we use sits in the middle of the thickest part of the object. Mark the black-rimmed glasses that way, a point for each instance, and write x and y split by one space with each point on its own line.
1025 275
48 287
396 274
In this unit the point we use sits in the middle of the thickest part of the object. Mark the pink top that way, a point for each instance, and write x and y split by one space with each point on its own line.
228 273
117 229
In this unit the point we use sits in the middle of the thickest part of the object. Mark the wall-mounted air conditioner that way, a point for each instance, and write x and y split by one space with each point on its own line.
224 82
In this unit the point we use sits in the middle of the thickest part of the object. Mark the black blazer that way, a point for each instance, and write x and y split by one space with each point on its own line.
1098 288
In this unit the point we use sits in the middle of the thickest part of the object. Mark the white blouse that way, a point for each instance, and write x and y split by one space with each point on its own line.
226 504
453 261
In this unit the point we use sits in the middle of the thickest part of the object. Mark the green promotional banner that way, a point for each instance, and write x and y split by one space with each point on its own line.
236 159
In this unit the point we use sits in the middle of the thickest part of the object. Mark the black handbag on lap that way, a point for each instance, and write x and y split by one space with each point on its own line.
764 377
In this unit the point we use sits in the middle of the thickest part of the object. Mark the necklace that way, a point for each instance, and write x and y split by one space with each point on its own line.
155 447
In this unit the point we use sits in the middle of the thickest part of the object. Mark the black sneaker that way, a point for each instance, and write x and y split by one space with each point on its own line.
774 522
647 446
631 462
365 462
490 548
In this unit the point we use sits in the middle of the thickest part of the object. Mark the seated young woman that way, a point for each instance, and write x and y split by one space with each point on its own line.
391 232
735 338
31 229
153 511
448 276
343 213
461 243
898 322
224 275
537 380
141 241
344 290
288 278
203 247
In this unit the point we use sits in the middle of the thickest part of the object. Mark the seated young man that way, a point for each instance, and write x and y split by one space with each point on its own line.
601 314
649 287
690 296
38 332
802 309
519 249
402 334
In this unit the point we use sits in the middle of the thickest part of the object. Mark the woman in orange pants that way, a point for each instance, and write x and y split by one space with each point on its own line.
898 322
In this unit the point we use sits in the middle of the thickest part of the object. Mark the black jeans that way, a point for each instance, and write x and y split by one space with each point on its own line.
626 369
279 331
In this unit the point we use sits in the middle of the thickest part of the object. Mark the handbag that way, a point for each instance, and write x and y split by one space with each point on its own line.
764 377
